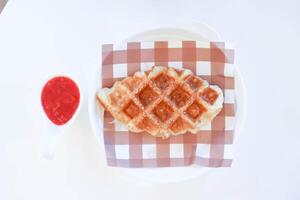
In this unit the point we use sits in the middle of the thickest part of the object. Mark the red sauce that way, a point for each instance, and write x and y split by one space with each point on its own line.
60 99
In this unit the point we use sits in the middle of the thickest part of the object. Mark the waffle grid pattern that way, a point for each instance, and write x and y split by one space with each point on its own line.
168 100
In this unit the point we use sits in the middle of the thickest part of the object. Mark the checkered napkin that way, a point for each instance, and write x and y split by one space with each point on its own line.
212 146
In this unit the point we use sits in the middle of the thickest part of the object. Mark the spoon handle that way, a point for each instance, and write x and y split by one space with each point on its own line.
50 137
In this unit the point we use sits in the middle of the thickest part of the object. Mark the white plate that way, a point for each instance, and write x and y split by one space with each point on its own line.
199 32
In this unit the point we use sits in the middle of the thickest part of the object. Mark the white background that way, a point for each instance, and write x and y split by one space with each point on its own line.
40 38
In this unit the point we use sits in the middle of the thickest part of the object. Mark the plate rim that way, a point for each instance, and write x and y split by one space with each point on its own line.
92 109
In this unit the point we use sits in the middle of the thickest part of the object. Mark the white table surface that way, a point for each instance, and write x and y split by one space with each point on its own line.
39 38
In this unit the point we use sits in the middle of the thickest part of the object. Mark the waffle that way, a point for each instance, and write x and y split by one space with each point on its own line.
162 101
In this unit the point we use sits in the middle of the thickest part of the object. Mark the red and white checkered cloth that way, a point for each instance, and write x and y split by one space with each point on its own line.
212 146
